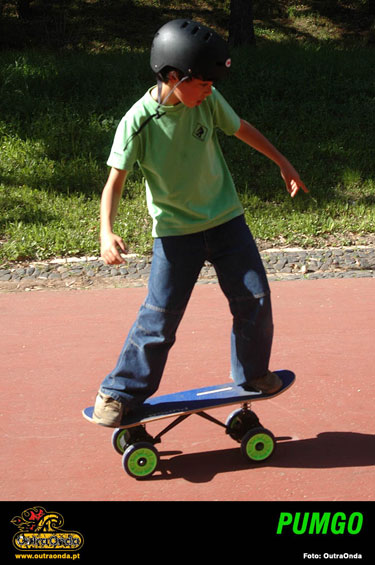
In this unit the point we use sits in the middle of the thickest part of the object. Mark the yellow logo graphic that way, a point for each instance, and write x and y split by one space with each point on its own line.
39 530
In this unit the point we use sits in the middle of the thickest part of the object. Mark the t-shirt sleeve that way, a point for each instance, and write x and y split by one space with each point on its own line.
126 145
225 117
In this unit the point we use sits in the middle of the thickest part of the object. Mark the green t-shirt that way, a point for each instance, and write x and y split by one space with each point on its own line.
188 185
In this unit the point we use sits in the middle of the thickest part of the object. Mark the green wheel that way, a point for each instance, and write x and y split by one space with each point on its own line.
140 460
120 440
239 422
258 444
123 437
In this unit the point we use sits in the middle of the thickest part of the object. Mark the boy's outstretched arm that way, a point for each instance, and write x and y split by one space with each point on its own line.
110 243
250 135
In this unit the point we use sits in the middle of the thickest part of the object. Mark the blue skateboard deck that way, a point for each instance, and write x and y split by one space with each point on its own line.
195 400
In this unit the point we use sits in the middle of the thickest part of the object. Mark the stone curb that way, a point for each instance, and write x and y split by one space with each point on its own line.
280 264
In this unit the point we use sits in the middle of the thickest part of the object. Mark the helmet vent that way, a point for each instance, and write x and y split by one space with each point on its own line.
185 24
207 36
194 30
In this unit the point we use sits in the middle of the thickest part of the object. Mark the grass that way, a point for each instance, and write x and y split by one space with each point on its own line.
312 96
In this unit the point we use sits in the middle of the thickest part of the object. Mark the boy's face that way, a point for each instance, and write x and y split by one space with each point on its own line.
190 92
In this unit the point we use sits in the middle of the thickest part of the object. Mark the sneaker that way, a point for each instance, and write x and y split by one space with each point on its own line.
108 411
269 384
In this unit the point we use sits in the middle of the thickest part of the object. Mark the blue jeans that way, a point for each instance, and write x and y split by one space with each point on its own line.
176 264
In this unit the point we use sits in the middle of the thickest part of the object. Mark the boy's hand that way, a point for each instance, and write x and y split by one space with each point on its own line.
111 244
292 181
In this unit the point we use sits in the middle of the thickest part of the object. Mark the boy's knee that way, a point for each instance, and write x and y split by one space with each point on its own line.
252 314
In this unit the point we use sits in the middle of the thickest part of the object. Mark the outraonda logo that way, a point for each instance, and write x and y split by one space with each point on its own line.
41 530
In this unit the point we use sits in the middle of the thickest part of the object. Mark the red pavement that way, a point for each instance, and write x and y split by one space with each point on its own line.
57 345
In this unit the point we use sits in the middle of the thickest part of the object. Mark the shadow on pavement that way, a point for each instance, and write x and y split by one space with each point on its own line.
327 450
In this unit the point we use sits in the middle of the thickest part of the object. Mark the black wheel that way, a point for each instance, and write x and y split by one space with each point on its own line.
241 421
140 460
258 444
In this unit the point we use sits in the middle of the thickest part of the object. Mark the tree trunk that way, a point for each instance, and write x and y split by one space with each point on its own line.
241 26
23 9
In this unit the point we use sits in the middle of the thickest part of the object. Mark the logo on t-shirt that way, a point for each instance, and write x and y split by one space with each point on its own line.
200 132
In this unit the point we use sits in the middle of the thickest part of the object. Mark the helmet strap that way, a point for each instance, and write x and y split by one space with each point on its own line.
160 86
157 114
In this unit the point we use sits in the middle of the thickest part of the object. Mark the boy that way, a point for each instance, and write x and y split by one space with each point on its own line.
197 216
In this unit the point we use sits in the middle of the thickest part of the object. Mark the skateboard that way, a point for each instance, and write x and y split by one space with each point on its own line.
140 458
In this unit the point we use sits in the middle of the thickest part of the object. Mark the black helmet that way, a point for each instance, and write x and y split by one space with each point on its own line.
191 48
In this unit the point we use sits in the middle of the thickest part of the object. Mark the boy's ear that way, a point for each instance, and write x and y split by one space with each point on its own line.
173 77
